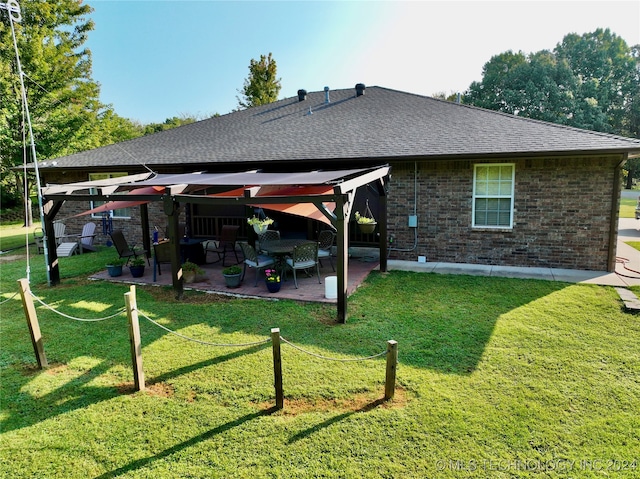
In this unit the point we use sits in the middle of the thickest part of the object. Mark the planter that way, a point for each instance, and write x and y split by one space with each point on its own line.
259 229
189 276
273 286
114 270
232 280
137 271
367 228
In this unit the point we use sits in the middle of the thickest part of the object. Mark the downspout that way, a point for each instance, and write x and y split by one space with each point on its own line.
415 213
614 216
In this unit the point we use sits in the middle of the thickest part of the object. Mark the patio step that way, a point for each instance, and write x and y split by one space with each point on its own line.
630 300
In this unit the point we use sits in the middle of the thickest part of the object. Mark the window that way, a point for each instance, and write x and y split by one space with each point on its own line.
121 213
493 195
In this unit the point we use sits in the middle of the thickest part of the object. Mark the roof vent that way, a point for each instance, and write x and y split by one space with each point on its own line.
326 94
360 89
302 95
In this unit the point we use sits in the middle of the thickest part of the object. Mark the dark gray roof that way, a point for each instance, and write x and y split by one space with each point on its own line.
382 125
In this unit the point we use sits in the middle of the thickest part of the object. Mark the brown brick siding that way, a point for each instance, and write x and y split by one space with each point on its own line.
561 214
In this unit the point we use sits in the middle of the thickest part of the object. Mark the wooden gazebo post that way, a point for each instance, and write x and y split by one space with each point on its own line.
171 207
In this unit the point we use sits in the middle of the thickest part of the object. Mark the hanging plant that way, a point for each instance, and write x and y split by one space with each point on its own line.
259 226
367 223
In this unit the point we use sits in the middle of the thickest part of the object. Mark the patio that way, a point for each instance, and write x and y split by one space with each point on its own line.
361 262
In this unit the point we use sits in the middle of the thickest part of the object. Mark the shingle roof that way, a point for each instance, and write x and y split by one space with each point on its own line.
382 124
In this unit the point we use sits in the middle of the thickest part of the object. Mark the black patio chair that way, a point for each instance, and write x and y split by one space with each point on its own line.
162 254
122 247
227 242
325 244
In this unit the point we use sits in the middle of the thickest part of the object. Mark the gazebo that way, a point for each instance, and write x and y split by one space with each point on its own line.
326 196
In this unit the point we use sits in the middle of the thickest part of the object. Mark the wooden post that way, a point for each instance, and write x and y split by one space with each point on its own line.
134 338
392 363
277 367
32 322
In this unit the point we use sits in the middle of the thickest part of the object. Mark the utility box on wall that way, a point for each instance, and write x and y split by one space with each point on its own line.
413 221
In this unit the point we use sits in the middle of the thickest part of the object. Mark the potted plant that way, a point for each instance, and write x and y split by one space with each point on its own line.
136 267
114 267
190 271
366 224
259 226
272 280
232 276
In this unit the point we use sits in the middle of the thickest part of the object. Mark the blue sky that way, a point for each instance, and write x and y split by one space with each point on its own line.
158 59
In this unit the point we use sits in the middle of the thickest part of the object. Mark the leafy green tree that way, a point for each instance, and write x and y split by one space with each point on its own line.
62 98
607 78
589 81
262 85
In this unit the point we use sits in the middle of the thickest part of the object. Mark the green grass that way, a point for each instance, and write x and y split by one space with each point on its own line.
634 244
497 378
13 235
628 207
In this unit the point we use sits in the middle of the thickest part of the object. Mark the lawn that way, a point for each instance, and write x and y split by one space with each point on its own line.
497 378
628 207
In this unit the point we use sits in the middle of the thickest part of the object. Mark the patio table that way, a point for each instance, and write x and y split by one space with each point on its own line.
280 249
191 249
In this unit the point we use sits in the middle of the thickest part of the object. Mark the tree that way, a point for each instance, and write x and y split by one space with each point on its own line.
262 85
62 98
589 81
607 79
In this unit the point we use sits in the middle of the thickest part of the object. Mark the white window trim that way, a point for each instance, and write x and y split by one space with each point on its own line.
111 212
475 196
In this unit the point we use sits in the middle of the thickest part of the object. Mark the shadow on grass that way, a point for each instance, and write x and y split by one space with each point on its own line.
312 430
203 364
441 322
183 445
25 409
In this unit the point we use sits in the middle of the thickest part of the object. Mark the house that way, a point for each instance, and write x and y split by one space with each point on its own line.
467 185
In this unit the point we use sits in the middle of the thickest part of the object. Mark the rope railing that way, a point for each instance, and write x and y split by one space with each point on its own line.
9 298
135 342
315 355
199 341
68 316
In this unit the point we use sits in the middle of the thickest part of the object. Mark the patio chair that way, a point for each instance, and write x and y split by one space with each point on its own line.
38 239
162 254
73 244
84 240
254 260
122 247
305 256
325 244
227 242
269 235
58 231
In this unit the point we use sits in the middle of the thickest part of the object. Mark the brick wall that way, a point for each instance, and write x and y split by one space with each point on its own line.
561 214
